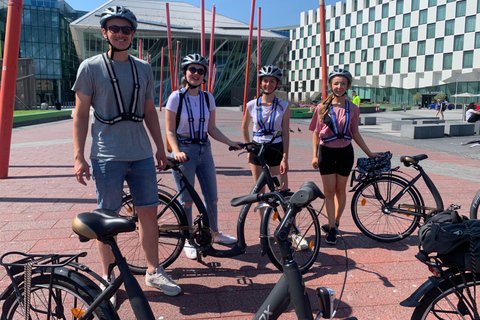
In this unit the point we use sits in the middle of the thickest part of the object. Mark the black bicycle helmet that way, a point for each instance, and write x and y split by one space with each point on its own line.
270 71
194 58
118 12
340 72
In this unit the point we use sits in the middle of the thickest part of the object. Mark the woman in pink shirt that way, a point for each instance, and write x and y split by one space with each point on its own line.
335 125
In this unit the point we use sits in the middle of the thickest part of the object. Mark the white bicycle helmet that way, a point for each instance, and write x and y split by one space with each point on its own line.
340 72
270 71
194 58
118 12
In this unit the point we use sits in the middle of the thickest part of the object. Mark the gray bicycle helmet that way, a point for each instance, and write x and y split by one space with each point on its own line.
270 71
118 12
340 72
194 58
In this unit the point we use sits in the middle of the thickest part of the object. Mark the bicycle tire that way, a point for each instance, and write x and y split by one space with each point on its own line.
368 215
67 294
170 242
306 221
474 206
444 300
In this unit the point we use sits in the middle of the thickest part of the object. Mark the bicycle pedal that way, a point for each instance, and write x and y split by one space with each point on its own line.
454 207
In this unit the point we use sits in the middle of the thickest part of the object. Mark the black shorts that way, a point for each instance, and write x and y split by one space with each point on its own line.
273 155
335 160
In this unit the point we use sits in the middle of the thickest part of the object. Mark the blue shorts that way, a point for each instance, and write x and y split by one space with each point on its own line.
141 177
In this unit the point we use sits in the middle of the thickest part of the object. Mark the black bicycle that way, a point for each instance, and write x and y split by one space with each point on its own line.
387 206
476 200
174 229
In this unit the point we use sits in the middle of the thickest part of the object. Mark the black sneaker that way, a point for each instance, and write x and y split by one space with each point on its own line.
326 227
331 236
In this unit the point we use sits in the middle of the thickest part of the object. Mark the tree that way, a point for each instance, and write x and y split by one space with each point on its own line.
440 96
417 97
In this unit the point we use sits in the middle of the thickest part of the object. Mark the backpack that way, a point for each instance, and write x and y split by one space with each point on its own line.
454 238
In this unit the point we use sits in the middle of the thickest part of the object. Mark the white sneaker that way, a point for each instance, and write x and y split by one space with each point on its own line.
113 299
161 281
300 241
224 239
190 251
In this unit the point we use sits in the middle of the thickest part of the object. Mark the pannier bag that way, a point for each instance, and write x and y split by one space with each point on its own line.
374 166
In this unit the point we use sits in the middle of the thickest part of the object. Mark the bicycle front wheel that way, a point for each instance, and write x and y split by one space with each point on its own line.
386 224
172 231
69 300
453 299
474 206
304 237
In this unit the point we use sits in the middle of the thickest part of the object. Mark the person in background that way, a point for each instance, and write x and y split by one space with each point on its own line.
472 115
58 105
355 98
121 148
439 108
189 139
335 125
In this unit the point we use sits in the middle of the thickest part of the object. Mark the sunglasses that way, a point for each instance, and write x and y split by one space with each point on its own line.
195 70
116 29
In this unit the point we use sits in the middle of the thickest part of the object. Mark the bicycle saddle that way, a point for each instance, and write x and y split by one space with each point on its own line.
100 223
409 160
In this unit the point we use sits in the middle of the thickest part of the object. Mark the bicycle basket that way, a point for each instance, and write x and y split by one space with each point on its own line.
369 167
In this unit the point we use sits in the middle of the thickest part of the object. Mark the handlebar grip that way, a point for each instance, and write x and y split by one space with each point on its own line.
242 145
306 194
251 198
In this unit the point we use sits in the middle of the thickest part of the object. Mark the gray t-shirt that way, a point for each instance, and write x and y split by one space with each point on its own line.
124 140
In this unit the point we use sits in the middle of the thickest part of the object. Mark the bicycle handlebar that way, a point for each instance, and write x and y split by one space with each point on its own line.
248 146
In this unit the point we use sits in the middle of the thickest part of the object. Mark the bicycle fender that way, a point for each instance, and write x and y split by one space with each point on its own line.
414 299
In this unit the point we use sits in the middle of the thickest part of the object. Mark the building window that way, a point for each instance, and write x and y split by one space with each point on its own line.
341 58
317 51
461 8
292 76
294 34
300 75
305 42
383 67
348 20
369 68
314 41
414 34
371 41
405 49
470 24
312 63
432 3
364 55
318 28
297 43
342 34
421 48
415 5
336 47
309 52
310 30
477 40
439 45
359 44
441 11
358 69
371 14
428 63
406 20
431 31
378 26
347 45
301 54
331 60
365 29
468 59
398 36
396 66
337 23
297 65
353 32
332 36
449 27
308 74
412 64
293 54
390 52
399 7
384 39
447 61
376 54
317 73
359 17
422 17
391 23
458 43
385 10
352 57
301 32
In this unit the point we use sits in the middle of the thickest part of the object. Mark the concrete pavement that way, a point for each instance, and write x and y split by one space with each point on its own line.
41 196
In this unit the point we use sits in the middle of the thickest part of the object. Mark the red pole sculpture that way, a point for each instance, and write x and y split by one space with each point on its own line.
249 51
140 49
214 76
176 65
161 80
210 59
259 61
9 81
170 49
202 32
323 47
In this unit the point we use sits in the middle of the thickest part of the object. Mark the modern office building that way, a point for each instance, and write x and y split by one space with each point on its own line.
230 44
46 38
393 49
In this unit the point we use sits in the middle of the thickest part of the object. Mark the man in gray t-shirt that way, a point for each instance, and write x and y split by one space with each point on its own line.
121 149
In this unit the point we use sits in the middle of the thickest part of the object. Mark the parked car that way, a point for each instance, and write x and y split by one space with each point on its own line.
450 106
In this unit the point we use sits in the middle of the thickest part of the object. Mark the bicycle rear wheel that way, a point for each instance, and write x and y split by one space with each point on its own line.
474 206
370 216
171 220
450 301
68 298
304 237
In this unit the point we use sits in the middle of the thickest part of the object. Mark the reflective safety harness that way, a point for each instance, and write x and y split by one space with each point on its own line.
124 115
334 125
264 131
201 124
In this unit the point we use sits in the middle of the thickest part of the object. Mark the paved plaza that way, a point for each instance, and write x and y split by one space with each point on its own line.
41 196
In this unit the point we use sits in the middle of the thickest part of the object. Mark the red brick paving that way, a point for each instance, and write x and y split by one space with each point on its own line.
41 196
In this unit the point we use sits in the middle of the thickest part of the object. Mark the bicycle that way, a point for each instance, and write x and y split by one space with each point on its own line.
387 206
53 286
174 229
476 200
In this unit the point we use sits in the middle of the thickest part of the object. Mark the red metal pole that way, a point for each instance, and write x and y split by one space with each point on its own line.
210 59
176 65
140 49
323 48
214 76
9 81
202 32
170 49
259 60
161 80
249 52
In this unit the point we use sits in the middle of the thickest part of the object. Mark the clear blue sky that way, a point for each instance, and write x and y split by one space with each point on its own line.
275 13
